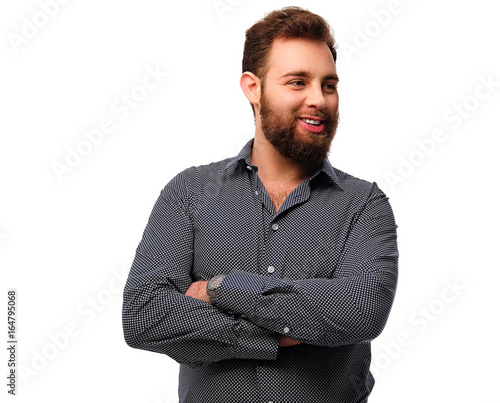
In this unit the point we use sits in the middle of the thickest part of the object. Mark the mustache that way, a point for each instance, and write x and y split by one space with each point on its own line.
314 113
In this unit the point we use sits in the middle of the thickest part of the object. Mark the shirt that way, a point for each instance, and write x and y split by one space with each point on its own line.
321 270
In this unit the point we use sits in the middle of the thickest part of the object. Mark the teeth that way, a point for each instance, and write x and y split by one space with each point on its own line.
312 122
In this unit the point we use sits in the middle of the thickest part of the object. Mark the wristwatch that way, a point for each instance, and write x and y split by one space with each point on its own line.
213 286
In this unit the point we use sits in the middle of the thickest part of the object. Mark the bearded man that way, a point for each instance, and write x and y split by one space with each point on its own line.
267 275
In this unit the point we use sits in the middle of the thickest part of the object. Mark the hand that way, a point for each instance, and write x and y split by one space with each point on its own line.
288 342
198 290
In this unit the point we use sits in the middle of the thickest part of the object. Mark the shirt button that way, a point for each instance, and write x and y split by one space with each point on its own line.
249 167
286 329
275 227
256 192
270 269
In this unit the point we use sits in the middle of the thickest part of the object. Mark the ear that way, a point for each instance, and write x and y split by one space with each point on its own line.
250 84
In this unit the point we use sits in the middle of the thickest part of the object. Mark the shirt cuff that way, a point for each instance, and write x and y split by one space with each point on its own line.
239 292
256 343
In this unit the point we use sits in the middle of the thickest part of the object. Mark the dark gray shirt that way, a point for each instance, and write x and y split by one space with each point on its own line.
321 270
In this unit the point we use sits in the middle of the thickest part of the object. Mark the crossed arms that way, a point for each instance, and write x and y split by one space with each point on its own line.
198 290
165 311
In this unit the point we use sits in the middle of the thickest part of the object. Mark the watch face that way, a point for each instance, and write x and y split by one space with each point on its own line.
215 282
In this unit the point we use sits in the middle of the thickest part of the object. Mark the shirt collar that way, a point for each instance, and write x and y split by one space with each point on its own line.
244 155
246 152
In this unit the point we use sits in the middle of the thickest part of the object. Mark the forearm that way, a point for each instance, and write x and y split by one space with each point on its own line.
314 311
158 317
351 307
199 290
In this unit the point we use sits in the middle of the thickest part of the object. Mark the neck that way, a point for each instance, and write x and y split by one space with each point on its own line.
273 167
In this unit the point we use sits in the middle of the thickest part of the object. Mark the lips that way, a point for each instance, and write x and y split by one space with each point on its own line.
313 124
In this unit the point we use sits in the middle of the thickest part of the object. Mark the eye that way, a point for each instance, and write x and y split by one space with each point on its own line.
330 87
297 83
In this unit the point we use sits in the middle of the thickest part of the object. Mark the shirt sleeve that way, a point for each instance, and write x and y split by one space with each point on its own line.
351 307
156 314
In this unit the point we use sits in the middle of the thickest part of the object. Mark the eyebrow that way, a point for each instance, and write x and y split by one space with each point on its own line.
306 74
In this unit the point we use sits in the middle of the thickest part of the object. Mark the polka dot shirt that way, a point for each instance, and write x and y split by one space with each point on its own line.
322 270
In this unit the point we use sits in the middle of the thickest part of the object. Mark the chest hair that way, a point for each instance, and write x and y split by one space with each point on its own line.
278 196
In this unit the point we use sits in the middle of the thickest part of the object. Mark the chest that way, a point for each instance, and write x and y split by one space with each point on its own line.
278 195
278 191
236 230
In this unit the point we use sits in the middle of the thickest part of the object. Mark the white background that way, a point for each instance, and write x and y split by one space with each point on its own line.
67 242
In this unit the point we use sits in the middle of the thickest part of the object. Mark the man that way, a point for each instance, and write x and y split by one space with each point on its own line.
266 275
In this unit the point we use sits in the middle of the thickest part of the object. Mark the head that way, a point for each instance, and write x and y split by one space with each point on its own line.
287 23
289 77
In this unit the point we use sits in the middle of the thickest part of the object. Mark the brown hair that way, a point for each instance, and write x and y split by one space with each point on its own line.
287 23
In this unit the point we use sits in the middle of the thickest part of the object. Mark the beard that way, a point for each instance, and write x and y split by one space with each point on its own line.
282 132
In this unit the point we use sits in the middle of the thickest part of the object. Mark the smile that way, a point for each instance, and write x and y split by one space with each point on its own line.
312 125
312 122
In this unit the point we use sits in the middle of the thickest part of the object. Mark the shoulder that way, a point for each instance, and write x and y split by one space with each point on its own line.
354 185
196 175
191 182
359 194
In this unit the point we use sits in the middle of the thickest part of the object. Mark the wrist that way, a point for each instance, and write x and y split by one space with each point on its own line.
213 287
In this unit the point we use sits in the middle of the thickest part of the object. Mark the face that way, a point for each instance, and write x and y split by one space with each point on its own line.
301 79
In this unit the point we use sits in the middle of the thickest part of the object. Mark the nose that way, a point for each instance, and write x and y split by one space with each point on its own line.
316 97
